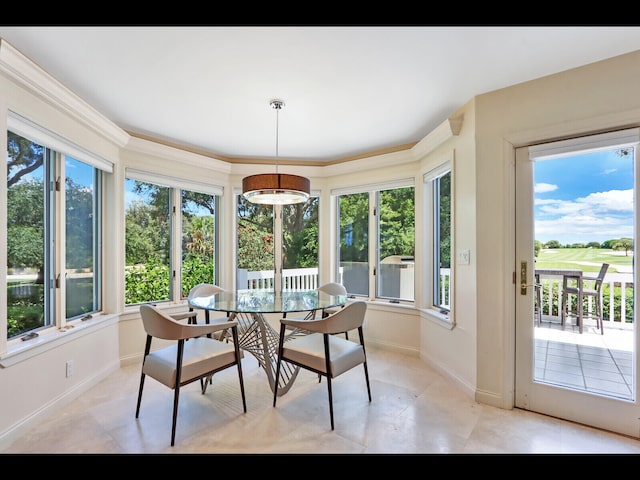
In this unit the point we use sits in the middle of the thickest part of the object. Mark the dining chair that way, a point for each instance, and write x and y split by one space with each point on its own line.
331 288
591 287
321 351
202 290
181 363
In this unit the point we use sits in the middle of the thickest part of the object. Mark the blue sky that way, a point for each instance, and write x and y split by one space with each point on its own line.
584 198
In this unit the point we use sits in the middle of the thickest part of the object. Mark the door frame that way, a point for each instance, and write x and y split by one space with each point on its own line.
575 406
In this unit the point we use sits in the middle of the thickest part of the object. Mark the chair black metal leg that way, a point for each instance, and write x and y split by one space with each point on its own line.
330 399
176 396
140 394
366 376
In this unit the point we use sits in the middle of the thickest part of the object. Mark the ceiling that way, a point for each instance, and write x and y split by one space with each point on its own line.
348 91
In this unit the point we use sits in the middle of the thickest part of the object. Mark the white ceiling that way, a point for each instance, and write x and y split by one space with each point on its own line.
347 90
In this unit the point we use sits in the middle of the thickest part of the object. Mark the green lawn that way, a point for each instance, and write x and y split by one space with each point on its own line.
586 259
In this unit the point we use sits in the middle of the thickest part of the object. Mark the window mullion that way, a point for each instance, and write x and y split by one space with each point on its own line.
374 247
58 260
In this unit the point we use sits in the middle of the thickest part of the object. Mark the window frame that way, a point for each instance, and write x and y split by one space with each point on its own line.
176 186
56 151
431 222
278 245
373 191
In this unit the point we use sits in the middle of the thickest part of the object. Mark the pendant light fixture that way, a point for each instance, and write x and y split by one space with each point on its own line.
275 188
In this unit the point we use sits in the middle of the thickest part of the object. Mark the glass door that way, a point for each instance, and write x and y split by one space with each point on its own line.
575 211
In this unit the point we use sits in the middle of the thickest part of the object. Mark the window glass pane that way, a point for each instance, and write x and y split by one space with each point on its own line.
81 227
442 241
396 240
255 258
25 236
147 242
353 215
300 245
198 240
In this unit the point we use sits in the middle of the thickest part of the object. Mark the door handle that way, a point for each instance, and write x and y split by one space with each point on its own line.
523 279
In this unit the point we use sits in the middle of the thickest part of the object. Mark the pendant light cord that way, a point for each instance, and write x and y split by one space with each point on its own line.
277 107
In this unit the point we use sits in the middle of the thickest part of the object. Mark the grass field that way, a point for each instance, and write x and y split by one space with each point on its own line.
586 259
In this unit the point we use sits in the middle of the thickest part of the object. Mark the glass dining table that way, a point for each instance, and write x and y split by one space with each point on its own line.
255 334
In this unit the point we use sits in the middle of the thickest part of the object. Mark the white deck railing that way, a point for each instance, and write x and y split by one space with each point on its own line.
292 279
307 278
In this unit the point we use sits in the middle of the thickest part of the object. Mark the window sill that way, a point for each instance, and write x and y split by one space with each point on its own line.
444 320
46 340
386 305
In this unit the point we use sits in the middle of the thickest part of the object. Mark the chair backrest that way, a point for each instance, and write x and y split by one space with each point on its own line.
333 288
601 275
348 318
159 325
204 290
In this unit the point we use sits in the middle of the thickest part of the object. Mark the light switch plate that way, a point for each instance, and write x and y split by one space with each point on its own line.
464 257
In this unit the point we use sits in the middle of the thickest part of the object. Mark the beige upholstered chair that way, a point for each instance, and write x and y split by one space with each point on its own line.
200 290
323 352
591 287
332 288
182 362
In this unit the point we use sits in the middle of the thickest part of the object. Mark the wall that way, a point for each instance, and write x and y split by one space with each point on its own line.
452 351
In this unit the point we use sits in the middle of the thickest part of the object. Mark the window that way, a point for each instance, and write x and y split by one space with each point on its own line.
54 230
390 210
199 227
168 250
353 256
277 246
396 243
438 197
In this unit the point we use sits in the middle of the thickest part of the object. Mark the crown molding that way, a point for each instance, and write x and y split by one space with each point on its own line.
149 147
448 129
17 67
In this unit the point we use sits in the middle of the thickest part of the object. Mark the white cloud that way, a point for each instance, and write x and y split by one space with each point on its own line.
544 187
597 217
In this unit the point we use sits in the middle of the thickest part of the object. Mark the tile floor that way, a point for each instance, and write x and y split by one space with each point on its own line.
589 361
414 411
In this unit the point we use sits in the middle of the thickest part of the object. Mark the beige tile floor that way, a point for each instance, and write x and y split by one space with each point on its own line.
414 411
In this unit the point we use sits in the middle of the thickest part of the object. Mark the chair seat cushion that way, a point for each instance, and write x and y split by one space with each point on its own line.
201 355
309 350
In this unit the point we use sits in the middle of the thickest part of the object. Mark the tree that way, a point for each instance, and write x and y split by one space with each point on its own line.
25 224
255 236
24 157
553 244
79 221
625 244
397 223
354 227
537 246
300 232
